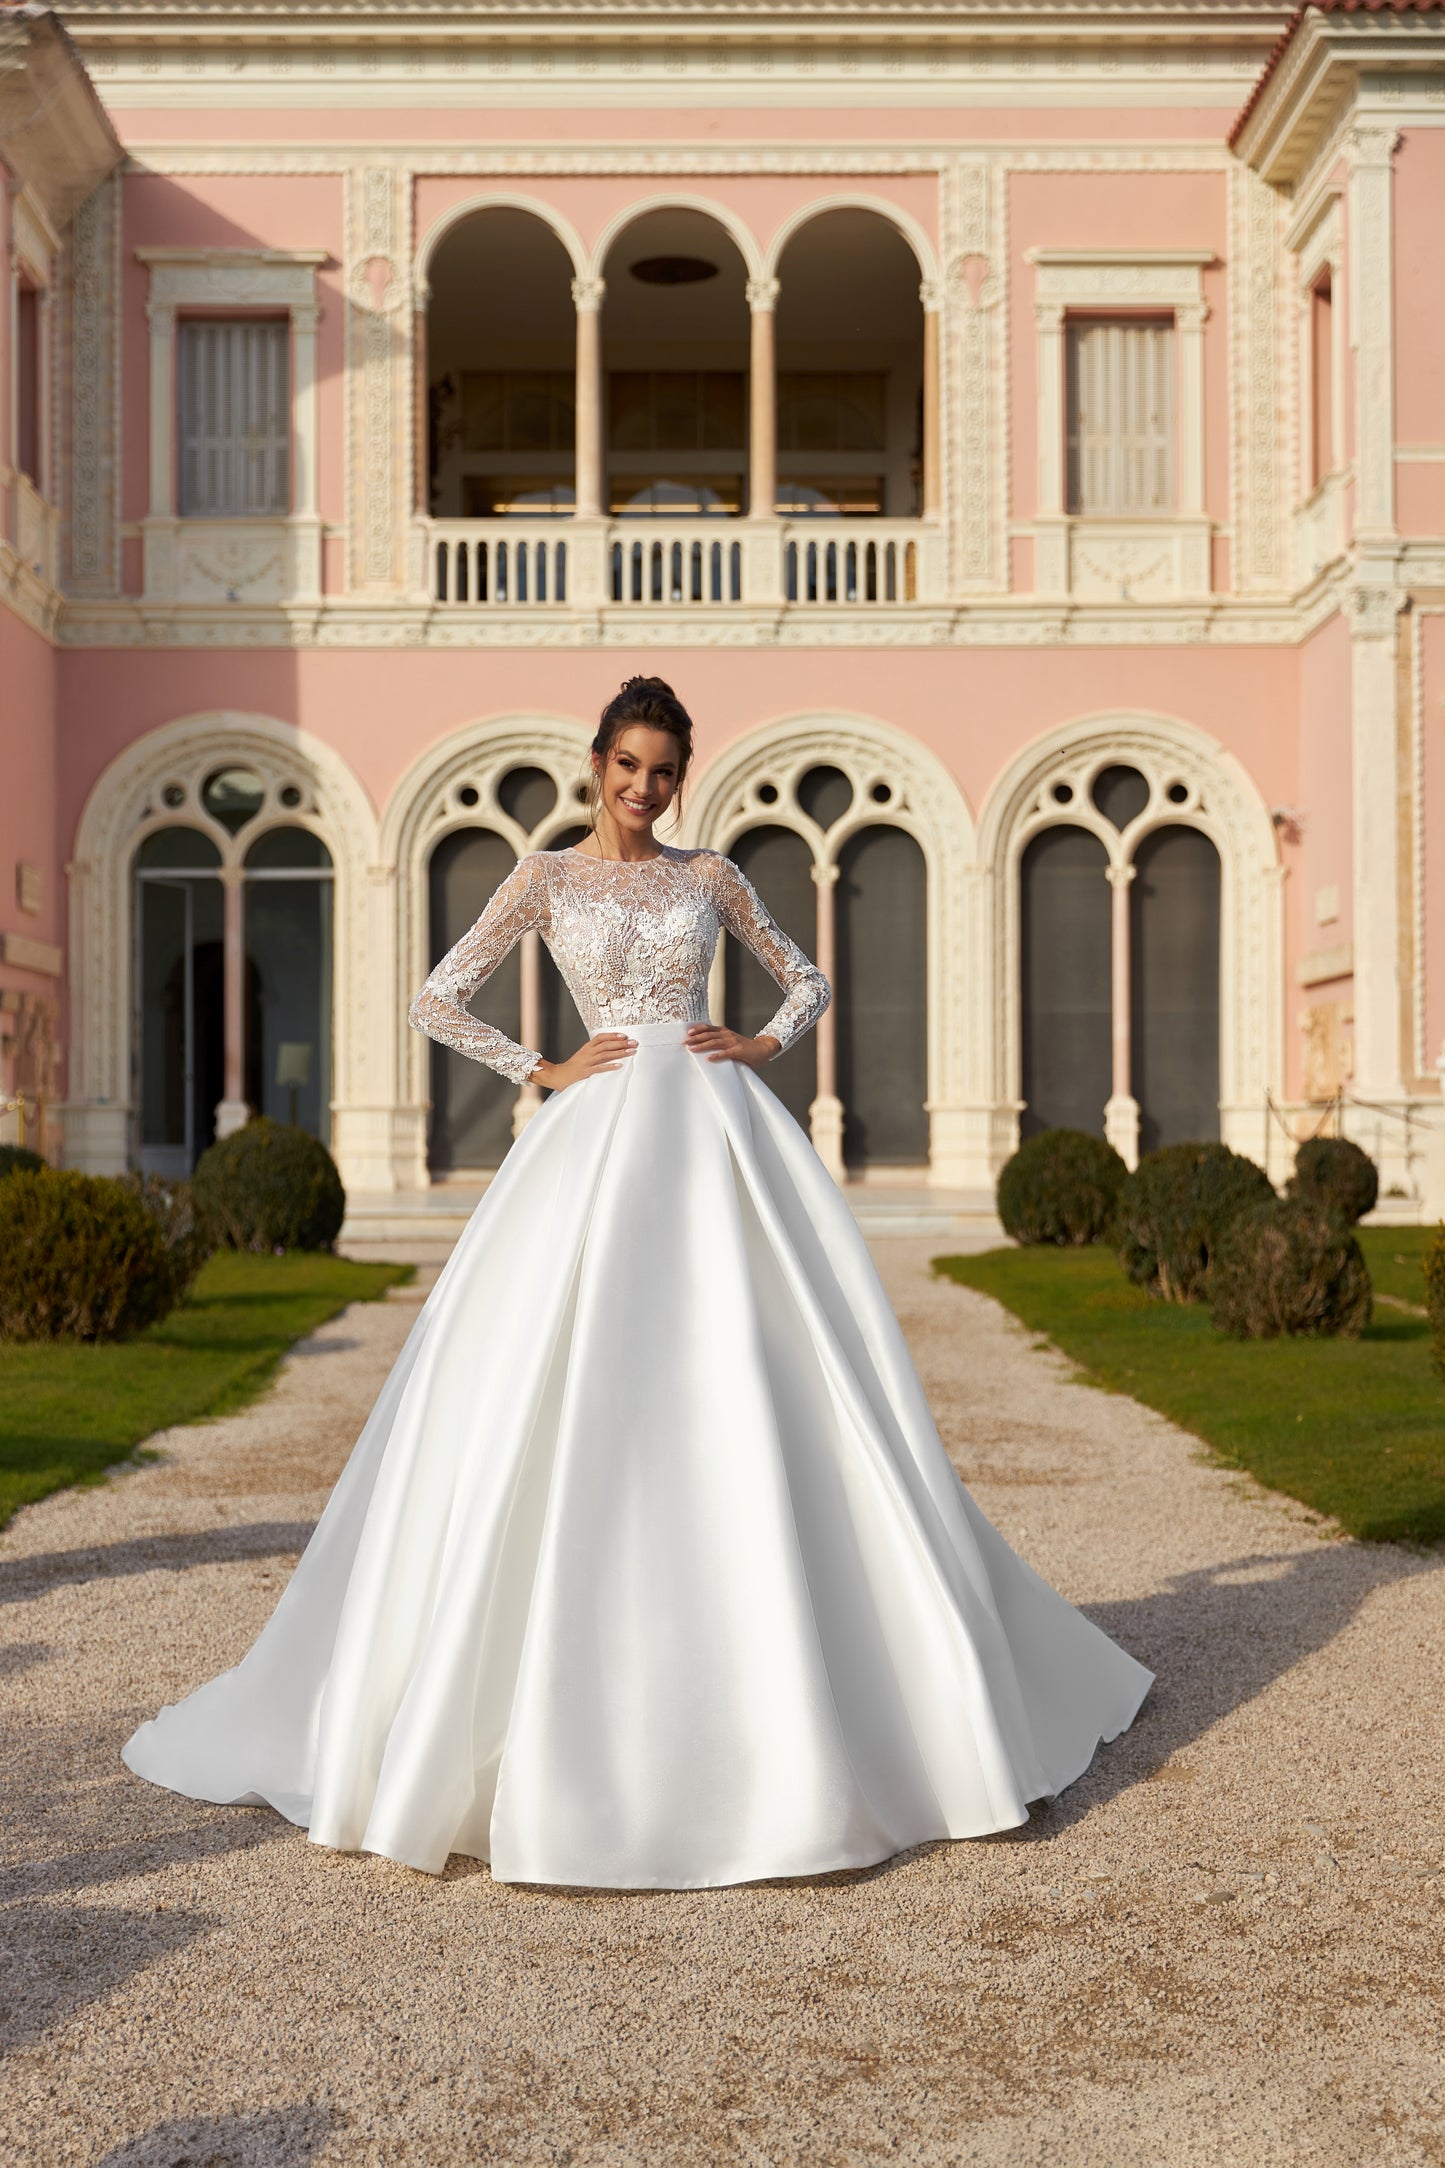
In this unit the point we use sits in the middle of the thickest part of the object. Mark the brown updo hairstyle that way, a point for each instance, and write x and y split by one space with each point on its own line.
652 702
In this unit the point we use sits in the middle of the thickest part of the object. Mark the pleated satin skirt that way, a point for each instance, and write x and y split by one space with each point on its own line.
649 1569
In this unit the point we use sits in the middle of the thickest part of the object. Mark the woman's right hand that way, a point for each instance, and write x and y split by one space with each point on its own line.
607 1051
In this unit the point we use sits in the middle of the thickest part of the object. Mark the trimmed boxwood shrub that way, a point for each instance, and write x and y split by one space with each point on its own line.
1174 1209
1290 1267
80 1259
172 1206
1435 1299
269 1187
1060 1186
13 1156
1337 1176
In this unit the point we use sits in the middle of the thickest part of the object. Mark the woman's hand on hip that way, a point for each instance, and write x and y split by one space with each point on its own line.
607 1051
720 1044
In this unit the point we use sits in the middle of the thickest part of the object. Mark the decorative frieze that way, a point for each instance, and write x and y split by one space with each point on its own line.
378 291
1257 347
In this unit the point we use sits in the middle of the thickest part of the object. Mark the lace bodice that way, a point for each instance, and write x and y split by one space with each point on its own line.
634 943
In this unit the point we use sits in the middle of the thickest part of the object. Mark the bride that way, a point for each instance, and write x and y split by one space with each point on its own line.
649 1569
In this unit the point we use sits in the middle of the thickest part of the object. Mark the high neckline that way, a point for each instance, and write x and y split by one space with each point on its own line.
595 858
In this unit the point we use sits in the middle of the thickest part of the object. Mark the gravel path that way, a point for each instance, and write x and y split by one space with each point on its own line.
1222 1945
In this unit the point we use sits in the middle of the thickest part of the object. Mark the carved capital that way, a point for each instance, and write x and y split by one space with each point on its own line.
587 293
763 296
1372 147
932 293
1049 315
1373 611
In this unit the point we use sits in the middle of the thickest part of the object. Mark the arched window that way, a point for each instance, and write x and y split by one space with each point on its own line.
289 940
180 1051
1065 1001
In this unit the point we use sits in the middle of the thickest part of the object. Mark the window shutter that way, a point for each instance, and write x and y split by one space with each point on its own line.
235 419
1121 416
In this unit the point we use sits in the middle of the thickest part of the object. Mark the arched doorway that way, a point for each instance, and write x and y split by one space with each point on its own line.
881 989
1119 952
1065 994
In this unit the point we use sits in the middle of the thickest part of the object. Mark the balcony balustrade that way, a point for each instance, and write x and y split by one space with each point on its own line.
812 564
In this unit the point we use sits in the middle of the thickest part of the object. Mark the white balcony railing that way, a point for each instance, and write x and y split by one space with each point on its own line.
716 563
851 563
499 562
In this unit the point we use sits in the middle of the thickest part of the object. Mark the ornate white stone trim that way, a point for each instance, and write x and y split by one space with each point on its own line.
1222 800
424 807
925 800
502 162
123 807
94 404
379 358
1257 343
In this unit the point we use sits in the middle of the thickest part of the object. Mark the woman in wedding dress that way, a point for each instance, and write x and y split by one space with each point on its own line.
649 1569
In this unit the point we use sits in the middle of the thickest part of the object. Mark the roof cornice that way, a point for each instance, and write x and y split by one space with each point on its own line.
55 135
1316 71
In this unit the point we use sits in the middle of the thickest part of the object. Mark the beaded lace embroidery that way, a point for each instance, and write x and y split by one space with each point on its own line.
633 942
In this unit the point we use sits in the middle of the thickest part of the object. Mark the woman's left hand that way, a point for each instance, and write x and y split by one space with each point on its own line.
720 1044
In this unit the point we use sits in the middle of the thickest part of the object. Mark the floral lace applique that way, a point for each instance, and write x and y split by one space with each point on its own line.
634 944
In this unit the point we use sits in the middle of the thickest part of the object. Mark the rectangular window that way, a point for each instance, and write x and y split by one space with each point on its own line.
235 418
1120 415
27 384
1322 385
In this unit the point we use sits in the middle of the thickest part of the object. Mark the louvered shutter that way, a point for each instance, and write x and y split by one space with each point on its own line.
1121 416
235 422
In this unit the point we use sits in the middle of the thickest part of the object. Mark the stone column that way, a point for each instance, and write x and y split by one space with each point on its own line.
931 295
421 404
1121 1112
233 1113
763 400
825 1113
587 296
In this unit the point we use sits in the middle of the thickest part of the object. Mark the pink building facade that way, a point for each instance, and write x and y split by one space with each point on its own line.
1018 435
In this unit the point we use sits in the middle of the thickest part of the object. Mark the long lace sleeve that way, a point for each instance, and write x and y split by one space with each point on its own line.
741 910
440 1010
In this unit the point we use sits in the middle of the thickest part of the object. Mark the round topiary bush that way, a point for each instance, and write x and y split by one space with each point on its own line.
1337 1176
80 1259
13 1156
1289 1267
1174 1209
172 1206
1435 1299
269 1187
1060 1186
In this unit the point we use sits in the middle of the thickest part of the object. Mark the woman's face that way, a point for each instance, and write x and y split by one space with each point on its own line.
640 779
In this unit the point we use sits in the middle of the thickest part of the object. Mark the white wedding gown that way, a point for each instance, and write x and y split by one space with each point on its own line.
649 1569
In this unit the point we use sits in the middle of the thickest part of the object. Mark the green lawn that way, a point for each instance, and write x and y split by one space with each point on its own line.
1396 1257
67 1412
1354 1428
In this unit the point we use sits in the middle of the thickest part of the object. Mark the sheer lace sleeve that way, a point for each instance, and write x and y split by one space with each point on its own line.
741 910
440 1010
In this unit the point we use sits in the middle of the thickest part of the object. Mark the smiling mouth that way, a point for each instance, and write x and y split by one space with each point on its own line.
633 805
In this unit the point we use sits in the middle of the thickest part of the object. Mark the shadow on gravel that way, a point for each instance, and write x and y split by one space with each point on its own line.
234 1829
1216 1638
22 1579
54 1959
265 2138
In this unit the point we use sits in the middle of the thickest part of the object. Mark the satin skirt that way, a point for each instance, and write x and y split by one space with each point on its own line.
649 1569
